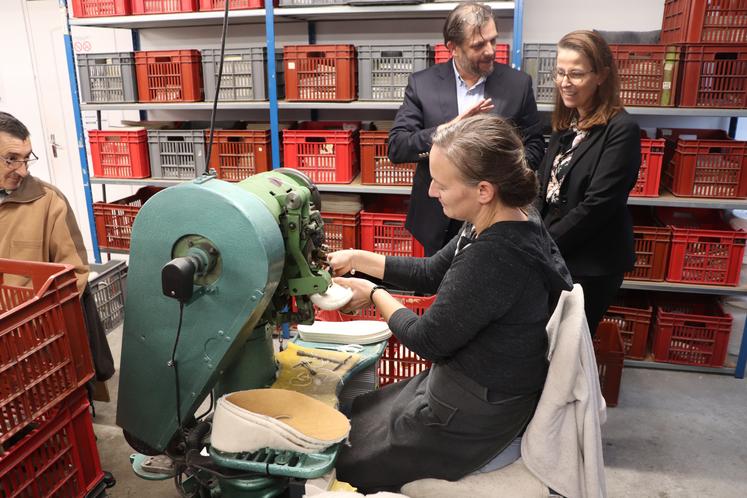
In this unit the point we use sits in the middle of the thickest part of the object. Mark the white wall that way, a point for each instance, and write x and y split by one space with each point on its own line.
17 86
546 21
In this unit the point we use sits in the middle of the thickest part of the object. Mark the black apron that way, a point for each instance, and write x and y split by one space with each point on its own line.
438 424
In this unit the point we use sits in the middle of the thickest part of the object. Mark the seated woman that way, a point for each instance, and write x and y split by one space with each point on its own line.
496 282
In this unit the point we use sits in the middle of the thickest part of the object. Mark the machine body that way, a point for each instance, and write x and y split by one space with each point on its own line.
238 259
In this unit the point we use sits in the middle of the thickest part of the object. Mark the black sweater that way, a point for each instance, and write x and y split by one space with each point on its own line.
494 299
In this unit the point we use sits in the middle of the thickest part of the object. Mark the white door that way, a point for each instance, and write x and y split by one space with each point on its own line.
46 27
57 147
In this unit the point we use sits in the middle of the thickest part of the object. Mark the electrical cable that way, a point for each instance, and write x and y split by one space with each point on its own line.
217 86
172 363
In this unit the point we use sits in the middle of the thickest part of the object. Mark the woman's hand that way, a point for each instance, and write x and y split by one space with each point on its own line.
361 292
341 262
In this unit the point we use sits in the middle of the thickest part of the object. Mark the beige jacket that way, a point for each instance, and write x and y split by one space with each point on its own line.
37 224
562 445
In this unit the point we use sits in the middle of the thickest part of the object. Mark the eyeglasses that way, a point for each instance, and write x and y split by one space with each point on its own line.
14 164
574 77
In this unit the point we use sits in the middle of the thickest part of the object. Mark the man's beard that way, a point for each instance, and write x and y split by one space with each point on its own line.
474 68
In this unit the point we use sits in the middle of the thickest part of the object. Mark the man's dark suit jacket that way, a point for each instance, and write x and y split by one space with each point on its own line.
591 225
431 100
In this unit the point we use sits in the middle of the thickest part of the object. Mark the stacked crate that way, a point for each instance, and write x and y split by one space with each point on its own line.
320 73
713 38
46 430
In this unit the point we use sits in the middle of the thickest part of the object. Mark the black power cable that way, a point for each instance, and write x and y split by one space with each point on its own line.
172 363
217 85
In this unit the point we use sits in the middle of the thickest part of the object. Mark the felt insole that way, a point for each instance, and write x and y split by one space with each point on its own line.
303 413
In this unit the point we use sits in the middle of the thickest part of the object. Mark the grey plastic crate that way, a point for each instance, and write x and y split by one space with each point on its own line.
309 3
538 62
244 73
383 69
106 78
109 290
177 154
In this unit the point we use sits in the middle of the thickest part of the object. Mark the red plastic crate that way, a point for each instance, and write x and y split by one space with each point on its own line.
239 154
385 233
100 8
691 331
648 73
341 230
632 314
704 163
651 253
57 458
327 151
376 168
44 351
705 250
208 5
397 362
502 53
320 72
713 76
608 349
163 6
699 21
114 219
169 75
649 174
120 153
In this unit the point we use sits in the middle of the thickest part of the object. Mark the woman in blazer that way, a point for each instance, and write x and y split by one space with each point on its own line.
590 166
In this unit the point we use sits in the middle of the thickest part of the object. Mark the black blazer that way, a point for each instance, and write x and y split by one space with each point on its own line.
431 100
592 226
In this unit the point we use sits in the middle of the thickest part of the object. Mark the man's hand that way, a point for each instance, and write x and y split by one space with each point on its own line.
485 105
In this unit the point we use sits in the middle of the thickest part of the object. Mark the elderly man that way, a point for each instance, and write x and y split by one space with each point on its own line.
468 84
37 224
36 221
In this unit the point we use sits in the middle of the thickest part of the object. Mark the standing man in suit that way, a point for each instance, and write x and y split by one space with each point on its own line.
470 83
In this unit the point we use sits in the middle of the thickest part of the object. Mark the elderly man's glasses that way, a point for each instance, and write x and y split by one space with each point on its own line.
14 164
575 77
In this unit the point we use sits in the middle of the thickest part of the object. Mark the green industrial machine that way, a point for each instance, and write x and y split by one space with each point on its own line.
214 268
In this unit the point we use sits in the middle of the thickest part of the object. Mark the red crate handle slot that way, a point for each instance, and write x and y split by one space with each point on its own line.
393 223
316 139
700 325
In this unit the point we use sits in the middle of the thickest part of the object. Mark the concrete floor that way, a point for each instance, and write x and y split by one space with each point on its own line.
673 434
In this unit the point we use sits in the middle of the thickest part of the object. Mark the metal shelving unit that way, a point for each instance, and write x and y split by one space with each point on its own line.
350 188
257 16
654 365
673 111
667 199
719 290
428 10
282 104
